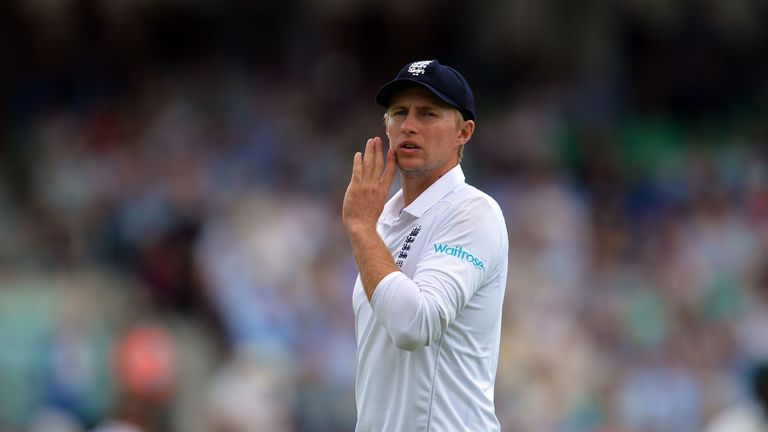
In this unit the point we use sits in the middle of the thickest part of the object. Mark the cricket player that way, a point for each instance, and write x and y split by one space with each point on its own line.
432 263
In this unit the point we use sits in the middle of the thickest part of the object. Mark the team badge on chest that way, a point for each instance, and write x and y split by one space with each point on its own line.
403 253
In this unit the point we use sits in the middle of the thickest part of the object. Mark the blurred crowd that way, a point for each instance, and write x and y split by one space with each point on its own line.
171 176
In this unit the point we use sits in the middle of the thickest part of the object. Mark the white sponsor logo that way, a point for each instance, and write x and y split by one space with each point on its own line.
417 68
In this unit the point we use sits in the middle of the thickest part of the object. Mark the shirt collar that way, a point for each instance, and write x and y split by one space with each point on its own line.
427 199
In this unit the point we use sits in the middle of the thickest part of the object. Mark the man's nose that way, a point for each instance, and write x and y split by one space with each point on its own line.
409 124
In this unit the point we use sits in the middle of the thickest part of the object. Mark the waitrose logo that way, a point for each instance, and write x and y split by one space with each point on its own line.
460 253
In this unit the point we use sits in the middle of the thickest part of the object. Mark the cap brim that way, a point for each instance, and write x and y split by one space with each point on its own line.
385 93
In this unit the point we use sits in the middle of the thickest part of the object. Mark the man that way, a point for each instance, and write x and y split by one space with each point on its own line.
432 262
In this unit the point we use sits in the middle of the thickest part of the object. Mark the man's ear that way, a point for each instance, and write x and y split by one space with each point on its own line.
466 131
384 119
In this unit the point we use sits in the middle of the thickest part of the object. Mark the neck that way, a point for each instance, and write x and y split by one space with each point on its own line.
412 188
414 184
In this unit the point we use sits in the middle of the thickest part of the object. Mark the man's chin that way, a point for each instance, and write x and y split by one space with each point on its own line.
409 171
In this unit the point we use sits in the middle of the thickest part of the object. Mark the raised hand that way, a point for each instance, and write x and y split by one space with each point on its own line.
369 186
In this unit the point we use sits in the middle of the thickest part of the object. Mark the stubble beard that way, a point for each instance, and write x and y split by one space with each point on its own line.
422 171
410 172
413 172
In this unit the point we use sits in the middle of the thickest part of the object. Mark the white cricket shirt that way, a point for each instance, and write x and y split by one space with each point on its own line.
428 341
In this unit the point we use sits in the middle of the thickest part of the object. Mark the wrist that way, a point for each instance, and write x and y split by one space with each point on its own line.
360 229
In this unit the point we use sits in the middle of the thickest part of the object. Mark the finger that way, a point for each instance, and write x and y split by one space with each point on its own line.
368 161
389 171
357 168
378 158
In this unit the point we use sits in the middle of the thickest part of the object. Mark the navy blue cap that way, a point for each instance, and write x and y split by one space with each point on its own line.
444 81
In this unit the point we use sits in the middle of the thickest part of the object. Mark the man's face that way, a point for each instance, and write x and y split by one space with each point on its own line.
424 133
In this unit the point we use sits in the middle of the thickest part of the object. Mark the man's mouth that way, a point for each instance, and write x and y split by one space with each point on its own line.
408 146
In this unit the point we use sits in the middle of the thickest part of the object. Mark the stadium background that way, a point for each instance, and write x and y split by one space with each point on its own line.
171 175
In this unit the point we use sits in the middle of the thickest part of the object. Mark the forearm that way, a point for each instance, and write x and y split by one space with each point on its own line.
363 204
374 261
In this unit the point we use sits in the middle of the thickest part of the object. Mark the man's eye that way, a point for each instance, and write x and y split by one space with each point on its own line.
429 114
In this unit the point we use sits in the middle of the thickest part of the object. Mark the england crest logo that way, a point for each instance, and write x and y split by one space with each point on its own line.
417 68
